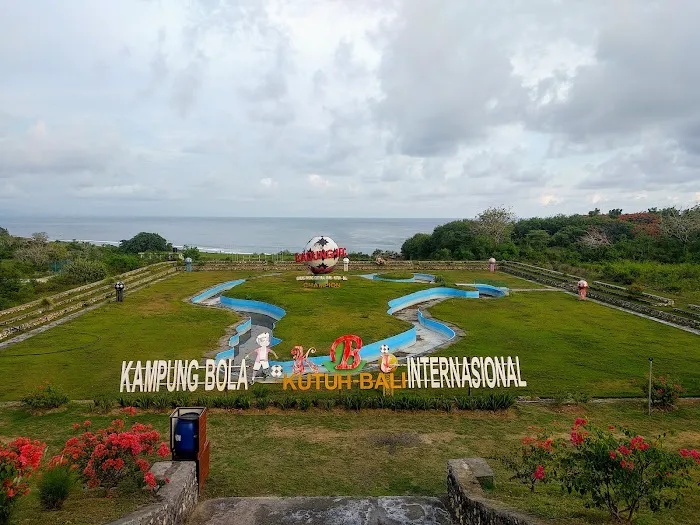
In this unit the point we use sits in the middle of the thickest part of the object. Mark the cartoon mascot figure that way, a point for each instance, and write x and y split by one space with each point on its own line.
301 360
261 354
388 361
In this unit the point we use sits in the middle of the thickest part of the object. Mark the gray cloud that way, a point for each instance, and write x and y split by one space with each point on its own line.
403 108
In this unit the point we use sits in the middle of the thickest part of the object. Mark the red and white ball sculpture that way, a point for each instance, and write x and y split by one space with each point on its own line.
321 254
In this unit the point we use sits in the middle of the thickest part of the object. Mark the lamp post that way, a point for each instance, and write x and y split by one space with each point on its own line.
119 287
651 360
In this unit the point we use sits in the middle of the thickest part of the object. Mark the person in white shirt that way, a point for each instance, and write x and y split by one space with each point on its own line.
261 354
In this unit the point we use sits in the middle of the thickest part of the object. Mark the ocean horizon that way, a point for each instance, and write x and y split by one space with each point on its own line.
230 234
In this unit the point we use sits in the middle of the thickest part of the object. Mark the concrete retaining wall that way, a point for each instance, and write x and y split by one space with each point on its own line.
175 501
470 506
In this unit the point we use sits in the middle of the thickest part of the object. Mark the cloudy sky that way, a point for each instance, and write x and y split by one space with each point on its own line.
374 108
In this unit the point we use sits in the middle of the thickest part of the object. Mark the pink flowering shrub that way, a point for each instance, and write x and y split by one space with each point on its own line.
664 391
18 459
614 469
107 457
531 464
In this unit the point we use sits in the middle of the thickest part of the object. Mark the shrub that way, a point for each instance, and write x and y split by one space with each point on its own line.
622 473
533 461
262 402
614 470
113 456
44 397
664 392
55 486
104 404
18 460
82 271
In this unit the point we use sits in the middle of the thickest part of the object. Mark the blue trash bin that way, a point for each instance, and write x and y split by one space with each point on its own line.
186 445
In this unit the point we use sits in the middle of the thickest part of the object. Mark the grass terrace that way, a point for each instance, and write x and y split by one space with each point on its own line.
265 453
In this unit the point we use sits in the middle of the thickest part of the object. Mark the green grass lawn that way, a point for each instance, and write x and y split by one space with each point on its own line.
566 345
318 316
267 453
154 323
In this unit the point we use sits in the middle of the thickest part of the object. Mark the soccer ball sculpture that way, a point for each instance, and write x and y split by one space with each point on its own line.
325 255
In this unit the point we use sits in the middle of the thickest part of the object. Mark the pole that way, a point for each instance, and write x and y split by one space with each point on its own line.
651 360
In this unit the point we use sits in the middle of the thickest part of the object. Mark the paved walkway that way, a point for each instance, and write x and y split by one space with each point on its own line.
322 511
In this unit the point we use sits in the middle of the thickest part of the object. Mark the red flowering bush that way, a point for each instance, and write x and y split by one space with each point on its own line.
531 464
614 469
18 459
664 391
108 457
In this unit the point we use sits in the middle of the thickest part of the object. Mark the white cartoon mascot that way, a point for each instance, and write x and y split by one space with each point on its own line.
261 353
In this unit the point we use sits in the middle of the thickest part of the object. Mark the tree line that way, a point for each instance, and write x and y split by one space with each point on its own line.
668 235
34 266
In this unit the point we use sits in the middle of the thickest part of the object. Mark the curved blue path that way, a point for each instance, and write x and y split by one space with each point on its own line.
370 352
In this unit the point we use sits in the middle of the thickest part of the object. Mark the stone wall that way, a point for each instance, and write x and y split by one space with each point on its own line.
467 502
362 266
175 501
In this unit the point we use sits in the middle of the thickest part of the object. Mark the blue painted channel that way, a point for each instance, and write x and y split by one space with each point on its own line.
370 352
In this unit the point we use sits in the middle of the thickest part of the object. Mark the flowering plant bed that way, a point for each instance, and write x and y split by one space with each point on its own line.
18 459
611 469
114 456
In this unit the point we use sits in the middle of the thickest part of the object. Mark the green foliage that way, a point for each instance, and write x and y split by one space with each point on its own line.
45 397
82 271
621 473
104 403
192 252
121 263
144 242
55 486
612 469
664 391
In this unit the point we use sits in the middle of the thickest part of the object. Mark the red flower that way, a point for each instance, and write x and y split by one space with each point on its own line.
87 423
611 427
612 454
167 480
76 426
579 421
163 450
150 480
576 438
539 472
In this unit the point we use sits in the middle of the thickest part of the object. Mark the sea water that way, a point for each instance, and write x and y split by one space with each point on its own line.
230 234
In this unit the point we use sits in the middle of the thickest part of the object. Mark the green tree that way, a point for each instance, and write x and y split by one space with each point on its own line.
417 247
615 213
537 239
4 232
495 224
144 242
192 252
10 286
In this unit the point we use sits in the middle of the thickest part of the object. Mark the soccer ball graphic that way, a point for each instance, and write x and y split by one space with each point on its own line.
325 264
276 371
384 349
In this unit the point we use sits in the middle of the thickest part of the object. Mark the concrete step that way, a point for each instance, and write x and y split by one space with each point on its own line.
398 510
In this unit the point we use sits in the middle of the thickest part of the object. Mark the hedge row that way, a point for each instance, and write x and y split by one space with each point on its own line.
355 401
